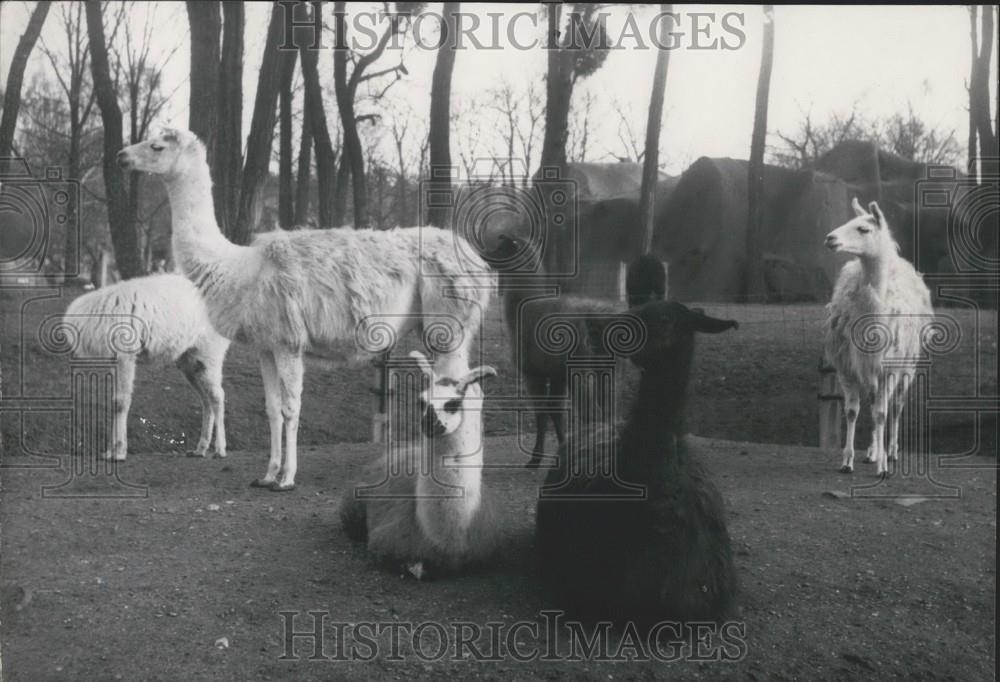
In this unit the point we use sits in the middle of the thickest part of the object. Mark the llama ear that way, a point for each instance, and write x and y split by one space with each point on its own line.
859 210
474 376
877 212
422 362
710 325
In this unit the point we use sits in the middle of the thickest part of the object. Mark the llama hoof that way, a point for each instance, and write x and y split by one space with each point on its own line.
278 487
847 469
218 455
261 483
194 453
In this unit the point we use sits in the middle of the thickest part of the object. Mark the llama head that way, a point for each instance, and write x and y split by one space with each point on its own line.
670 326
866 235
513 253
446 399
163 154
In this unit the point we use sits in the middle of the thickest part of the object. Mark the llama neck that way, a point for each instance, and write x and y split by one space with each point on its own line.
876 272
449 489
197 240
658 410
515 289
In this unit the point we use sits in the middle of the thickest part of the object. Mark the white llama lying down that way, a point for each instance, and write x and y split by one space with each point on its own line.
435 516
874 328
310 290
164 318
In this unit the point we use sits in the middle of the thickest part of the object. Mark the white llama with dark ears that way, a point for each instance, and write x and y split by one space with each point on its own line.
291 292
435 515
875 325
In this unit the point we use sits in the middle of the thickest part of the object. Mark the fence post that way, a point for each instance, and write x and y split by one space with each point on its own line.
102 269
622 274
380 417
831 407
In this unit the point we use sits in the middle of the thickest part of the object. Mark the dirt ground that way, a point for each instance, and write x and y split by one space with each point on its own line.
147 586
143 588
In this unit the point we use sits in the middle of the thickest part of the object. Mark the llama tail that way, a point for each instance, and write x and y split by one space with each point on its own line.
354 517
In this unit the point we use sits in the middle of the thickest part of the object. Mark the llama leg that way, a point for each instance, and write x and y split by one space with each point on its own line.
852 403
879 405
124 381
272 397
290 372
217 397
897 399
194 369
538 390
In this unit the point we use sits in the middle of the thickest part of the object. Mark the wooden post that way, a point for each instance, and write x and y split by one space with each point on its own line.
622 275
831 407
102 269
380 418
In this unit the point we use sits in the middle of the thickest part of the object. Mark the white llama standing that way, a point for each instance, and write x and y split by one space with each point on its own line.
292 292
874 329
434 516
163 318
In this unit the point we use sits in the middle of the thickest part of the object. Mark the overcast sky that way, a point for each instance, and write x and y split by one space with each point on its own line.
826 59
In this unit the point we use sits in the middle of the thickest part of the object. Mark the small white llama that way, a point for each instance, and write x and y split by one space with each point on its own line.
874 329
292 292
161 317
434 516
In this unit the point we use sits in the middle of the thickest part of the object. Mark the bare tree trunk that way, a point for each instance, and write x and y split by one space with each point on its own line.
122 226
558 94
402 210
988 150
651 158
973 80
755 189
304 168
439 140
203 110
15 76
352 151
340 194
261 137
328 188
286 209
229 144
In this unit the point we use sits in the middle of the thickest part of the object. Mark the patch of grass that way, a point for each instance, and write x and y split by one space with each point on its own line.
758 383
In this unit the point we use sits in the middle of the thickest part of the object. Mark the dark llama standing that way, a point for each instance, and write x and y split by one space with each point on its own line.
527 316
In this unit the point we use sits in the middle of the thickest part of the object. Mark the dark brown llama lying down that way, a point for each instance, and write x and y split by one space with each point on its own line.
433 516
663 557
